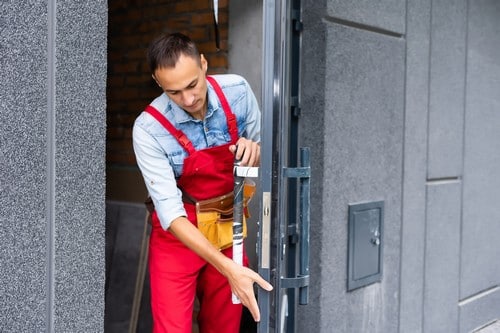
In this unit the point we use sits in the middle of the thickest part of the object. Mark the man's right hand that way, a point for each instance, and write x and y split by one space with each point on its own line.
240 278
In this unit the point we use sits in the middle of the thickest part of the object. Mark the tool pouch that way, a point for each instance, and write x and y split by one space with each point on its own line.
215 217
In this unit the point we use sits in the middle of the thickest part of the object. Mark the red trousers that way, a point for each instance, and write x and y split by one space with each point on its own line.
177 276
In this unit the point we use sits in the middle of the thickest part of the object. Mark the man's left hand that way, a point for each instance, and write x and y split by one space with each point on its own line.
247 151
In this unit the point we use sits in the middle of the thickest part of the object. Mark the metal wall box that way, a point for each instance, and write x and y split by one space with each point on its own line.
365 236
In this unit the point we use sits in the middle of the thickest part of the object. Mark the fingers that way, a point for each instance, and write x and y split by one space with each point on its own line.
247 298
242 285
253 307
252 304
247 151
263 283
251 301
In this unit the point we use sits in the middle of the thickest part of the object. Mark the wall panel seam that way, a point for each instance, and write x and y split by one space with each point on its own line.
429 79
403 171
362 26
51 151
443 180
459 291
478 295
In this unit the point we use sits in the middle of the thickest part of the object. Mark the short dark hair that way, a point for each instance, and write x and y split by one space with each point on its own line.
165 50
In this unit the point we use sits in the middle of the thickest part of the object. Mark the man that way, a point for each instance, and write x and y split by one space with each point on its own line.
185 144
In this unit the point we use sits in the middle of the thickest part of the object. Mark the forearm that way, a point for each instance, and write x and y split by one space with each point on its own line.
241 279
190 236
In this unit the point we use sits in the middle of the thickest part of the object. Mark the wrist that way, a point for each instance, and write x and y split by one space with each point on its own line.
226 266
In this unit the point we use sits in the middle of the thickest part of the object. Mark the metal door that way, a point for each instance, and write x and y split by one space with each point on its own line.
283 241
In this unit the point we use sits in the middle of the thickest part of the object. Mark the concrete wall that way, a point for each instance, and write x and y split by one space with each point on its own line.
403 100
52 130
353 100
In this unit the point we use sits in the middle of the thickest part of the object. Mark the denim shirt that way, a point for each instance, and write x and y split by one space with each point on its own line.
160 157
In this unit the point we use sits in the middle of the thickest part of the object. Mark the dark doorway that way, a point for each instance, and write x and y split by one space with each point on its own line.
132 25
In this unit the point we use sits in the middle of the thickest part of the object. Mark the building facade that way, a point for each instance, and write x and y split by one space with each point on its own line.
400 104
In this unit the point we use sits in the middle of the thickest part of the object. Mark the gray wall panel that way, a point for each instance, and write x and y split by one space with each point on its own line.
447 80
81 43
415 166
23 172
481 216
385 14
363 162
311 135
442 253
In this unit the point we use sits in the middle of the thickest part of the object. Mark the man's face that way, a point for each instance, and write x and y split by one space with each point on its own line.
185 84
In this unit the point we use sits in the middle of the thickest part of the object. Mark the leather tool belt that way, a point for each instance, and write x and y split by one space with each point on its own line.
215 215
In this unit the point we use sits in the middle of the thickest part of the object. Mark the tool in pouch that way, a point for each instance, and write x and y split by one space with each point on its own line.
241 188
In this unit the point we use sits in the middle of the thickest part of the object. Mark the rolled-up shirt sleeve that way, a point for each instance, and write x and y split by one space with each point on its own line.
253 116
158 176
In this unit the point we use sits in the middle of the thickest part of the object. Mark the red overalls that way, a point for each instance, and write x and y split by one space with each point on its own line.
177 274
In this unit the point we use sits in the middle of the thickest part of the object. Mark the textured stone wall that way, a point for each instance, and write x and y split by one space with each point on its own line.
52 131
24 245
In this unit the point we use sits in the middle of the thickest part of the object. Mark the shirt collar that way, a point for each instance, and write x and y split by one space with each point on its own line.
182 116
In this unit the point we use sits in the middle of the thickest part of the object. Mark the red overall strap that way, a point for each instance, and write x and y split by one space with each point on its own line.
231 118
178 134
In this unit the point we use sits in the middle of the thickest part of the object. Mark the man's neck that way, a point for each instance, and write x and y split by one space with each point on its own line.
200 115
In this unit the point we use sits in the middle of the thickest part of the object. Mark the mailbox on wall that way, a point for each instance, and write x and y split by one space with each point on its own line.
365 238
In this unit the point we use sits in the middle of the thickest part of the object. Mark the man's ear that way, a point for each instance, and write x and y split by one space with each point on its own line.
154 78
203 63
